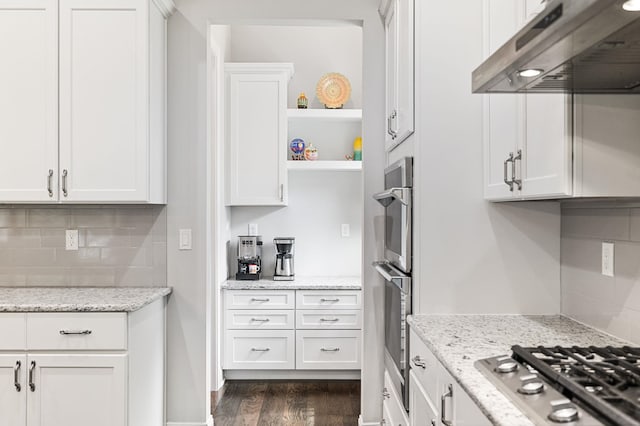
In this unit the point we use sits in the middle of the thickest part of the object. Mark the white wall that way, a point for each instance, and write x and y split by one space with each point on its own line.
473 256
315 51
319 202
187 387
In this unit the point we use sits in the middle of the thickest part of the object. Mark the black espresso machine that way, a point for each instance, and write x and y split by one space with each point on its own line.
249 257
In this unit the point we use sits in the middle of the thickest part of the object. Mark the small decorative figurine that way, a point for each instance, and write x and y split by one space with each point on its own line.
311 153
297 148
303 102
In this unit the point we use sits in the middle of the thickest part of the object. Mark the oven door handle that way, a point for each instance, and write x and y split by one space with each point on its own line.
387 197
392 275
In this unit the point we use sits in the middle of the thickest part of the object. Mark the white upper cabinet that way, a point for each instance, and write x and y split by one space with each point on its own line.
527 138
256 133
87 121
399 44
28 100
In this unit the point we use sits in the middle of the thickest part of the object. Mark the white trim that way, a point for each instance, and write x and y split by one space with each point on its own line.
208 423
292 374
361 423
166 7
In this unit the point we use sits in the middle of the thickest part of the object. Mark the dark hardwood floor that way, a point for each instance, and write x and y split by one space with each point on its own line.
296 403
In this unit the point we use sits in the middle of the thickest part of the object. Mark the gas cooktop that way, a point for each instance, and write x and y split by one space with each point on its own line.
570 385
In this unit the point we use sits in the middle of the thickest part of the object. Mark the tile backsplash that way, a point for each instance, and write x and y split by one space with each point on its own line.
611 304
118 246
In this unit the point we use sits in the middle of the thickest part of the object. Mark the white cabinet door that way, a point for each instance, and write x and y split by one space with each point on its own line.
400 106
13 389
77 390
502 113
421 409
28 100
104 100
257 134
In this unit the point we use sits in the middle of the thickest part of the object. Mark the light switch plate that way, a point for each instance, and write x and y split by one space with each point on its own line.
253 229
607 259
345 230
185 239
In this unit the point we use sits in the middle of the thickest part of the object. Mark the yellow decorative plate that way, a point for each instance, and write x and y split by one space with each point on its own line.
333 90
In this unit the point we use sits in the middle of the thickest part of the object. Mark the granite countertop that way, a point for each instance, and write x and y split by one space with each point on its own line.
300 283
460 340
78 299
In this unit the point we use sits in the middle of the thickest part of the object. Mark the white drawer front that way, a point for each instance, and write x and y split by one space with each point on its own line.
329 319
259 350
393 404
424 365
77 331
328 349
13 330
259 299
243 319
330 299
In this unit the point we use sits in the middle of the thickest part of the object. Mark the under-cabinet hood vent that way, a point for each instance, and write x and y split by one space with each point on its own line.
576 46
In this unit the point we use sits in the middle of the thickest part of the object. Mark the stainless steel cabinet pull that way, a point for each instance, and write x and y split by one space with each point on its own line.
385 393
282 192
50 182
16 376
32 385
419 362
329 319
443 406
329 300
390 119
260 349
255 299
506 162
72 332
330 349
260 319
513 170
433 422
64 182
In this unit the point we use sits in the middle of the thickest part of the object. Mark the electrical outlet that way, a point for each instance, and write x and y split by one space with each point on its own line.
71 239
253 229
607 259
185 239
344 229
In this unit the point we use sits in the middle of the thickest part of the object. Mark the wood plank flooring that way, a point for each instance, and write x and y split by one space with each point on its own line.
284 403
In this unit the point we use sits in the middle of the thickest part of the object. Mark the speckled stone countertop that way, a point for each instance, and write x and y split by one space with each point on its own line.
300 283
78 299
460 340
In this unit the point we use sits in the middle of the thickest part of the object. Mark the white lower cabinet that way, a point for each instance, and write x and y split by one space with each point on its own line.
292 330
78 369
394 413
433 391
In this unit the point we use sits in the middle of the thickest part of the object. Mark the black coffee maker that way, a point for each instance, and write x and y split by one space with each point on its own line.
249 257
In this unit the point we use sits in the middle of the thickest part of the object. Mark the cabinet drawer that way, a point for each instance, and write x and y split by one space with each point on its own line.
259 350
343 299
392 402
259 299
245 319
13 326
424 365
329 319
328 349
77 331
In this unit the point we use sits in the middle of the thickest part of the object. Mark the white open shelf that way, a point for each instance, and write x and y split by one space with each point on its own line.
325 114
340 165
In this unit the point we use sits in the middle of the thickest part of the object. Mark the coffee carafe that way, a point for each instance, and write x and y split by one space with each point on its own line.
284 259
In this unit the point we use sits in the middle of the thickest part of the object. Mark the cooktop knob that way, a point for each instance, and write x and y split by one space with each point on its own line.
506 364
530 385
563 411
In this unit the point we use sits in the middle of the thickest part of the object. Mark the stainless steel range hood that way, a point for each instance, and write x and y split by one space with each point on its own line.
579 46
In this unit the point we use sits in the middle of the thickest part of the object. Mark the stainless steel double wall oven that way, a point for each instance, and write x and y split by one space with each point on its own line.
397 199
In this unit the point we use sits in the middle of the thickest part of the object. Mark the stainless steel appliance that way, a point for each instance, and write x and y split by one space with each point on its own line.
576 386
284 259
396 268
397 199
249 257
580 46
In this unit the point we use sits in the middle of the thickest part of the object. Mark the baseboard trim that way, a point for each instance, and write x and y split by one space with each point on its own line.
361 423
292 374
208 423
